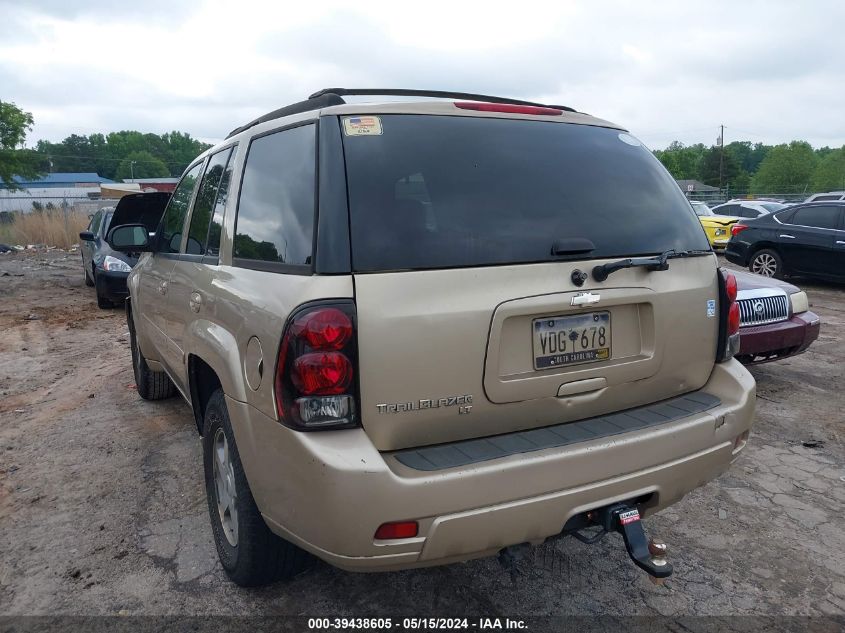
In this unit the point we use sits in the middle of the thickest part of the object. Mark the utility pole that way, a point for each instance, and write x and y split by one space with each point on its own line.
721 155
132 171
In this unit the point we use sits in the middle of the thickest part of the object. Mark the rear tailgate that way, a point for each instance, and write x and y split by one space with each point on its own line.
438 369
466 321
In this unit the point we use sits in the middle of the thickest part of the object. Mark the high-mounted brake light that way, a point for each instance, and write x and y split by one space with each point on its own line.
399 529
315 374
736 229
507 107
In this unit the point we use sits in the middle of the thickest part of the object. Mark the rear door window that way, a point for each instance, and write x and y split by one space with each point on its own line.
441 192
205 204
728 209
172 224
820 217
276 209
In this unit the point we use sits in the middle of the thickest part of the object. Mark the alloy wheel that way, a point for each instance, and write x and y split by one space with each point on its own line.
764 264
224 486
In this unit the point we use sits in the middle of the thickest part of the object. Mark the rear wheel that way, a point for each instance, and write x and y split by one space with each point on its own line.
152 385
766 263
250 553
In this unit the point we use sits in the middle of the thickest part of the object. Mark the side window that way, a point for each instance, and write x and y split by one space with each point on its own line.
105 223
819 217
172 223
205 203
748 212
823 198
94 226
275 221
728 209
213 247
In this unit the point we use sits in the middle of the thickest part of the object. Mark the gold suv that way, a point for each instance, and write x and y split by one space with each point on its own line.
425 331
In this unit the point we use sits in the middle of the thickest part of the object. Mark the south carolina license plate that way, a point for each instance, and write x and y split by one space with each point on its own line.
571 340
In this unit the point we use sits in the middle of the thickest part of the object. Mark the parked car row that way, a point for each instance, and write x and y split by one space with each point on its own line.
717 222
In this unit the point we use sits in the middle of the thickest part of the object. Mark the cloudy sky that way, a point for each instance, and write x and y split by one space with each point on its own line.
770 71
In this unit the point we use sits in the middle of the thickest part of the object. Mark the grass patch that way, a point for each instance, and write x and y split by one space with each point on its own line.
51 228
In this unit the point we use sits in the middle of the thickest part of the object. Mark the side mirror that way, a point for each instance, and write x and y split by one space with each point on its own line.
129 238
86 236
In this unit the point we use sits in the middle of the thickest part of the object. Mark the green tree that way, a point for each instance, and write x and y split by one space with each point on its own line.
830 171
14 159
747 156
786 169
141 164
683 162
715 161
103 153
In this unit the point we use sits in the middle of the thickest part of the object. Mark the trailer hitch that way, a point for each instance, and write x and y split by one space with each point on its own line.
648 555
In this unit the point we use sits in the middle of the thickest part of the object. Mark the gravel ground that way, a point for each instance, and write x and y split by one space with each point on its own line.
102 505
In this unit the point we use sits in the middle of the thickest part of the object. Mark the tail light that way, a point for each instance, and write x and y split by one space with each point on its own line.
507 107
316 382
736 229
729 317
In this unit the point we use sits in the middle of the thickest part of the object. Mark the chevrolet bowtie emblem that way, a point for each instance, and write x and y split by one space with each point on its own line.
585 299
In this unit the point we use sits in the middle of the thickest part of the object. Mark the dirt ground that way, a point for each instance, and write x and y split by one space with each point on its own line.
102 504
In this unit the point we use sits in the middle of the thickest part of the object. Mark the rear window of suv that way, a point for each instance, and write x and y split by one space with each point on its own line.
443 192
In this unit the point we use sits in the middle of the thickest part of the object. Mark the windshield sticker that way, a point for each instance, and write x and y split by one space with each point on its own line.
362 126
711 308
630 140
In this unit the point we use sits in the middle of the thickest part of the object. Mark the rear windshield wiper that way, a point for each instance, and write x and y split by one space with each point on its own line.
657 262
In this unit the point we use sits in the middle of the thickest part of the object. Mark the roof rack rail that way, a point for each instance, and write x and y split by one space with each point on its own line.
312 103
333 96
441 94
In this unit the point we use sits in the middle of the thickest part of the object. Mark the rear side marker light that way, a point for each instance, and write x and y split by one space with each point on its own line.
397 530
736 229
507 107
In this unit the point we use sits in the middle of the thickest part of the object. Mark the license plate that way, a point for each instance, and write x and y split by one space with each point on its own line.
571 340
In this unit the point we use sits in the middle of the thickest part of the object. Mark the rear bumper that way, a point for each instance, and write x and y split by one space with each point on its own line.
779 340
328 492
112 285
736 252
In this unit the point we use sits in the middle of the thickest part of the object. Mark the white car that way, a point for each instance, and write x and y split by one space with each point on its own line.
824 197
747 208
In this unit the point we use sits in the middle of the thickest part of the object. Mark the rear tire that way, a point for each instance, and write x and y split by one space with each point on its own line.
152 385
767 263
250 553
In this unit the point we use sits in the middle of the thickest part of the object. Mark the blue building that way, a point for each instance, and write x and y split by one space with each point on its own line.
60 180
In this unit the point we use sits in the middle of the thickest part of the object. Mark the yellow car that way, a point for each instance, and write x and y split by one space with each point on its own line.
717 227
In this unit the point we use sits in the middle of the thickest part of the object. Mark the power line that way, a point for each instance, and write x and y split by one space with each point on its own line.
53 155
